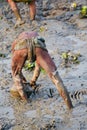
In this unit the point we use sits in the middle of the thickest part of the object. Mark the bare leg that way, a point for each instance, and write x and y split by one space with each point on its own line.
16 12
18 60
45 61
61 88
32 8
18 89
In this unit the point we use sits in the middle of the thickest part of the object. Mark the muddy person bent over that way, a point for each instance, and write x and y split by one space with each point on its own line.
29 46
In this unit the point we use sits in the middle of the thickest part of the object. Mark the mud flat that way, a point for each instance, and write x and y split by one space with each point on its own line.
63 31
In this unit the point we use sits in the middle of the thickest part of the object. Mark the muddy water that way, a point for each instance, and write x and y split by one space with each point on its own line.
45 111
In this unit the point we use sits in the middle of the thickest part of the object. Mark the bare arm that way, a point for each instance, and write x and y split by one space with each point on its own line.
36 74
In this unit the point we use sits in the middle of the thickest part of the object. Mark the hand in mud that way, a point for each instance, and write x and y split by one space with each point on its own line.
34 85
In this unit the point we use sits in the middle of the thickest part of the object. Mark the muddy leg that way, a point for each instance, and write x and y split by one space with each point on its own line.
18 60
45 61
61 89
32 8
18 88
19 19
16 12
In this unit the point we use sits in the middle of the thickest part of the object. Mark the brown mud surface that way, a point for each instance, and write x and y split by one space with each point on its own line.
63 31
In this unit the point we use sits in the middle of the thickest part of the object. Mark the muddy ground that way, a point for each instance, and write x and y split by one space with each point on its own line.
63 31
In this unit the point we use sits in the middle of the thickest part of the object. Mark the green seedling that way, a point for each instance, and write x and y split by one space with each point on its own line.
1 17
2 55
31 66
42 29
83 12
65 55
70 58
42 70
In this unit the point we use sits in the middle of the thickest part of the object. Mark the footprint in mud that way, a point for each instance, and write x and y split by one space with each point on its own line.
5 125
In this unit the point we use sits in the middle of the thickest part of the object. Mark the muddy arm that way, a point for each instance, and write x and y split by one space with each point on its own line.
36 74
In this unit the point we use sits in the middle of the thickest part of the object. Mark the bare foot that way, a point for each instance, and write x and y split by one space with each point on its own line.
19 23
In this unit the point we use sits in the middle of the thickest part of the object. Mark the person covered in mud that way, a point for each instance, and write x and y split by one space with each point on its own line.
30 46
32 10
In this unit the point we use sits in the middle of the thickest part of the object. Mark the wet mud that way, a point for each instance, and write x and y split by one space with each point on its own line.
63 31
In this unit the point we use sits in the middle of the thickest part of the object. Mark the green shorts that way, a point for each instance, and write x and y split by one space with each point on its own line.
29 1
